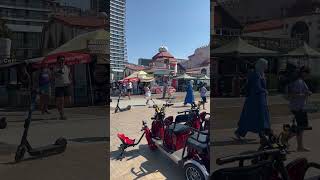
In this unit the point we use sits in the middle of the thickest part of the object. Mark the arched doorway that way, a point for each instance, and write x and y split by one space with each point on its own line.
300 30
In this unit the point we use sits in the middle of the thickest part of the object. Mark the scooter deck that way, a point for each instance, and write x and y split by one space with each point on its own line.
175 156
47 150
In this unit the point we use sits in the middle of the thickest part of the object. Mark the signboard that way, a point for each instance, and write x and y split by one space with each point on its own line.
275 44
7 61
100 46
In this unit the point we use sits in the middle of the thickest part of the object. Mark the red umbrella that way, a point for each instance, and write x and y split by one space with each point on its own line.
125 80
71 58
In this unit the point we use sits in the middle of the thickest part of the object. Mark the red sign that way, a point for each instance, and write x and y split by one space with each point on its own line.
70 59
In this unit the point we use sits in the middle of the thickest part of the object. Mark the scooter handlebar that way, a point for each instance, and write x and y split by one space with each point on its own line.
242 157
181 112
167 105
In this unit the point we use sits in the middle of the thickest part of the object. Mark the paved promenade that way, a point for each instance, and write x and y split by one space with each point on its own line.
140 162
84 158
226 116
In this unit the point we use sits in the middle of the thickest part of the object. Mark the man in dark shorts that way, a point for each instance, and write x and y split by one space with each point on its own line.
298 94
62 85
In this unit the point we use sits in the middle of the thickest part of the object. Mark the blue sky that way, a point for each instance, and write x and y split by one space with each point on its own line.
181 25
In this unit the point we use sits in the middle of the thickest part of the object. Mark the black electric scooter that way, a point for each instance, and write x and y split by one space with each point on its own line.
58 147
118 109
3 123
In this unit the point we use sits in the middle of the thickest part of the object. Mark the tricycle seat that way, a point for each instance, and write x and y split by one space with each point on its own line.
199 141
183 118
125 139
179 128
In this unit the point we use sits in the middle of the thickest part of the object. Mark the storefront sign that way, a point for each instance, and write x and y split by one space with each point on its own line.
99 46
275 44
7 61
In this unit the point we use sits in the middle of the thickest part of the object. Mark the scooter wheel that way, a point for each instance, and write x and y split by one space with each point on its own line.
3 123
61 141
192 172
20 153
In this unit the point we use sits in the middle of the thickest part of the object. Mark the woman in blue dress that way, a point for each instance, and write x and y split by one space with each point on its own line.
255 113
189 99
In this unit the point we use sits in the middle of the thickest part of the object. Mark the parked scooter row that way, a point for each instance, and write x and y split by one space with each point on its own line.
268 163
184 139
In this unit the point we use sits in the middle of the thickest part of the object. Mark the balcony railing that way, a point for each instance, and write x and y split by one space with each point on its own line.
24 53
8 16
24 4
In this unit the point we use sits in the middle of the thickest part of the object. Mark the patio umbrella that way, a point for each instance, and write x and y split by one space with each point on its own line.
137 74
147 79
71 58
304 50
80 43
185 76
134 77
205 77
241 48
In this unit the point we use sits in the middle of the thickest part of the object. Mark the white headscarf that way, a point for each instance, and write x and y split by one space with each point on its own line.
191 83
261 66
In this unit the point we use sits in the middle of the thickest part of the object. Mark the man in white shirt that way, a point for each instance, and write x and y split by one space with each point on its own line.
129 89
62 85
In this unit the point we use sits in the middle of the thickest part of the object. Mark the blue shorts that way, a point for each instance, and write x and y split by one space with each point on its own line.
44 89
204 99
64 91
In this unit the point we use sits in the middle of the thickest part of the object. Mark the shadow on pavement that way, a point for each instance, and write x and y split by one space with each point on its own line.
182 106
155 162
234 142
90 139
7 148
29 159
129 155
35 119
313 178
139 105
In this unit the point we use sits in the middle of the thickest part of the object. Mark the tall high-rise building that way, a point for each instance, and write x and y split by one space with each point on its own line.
99 5
118 52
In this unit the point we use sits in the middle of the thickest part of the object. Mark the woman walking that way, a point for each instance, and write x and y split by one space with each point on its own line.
189 99
255 114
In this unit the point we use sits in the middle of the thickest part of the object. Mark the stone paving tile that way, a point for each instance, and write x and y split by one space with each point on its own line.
81 161
139 161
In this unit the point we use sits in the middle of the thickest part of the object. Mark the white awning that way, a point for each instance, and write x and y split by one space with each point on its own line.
33 60
116 70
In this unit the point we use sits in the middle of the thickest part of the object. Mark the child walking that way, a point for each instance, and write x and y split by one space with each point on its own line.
147 94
